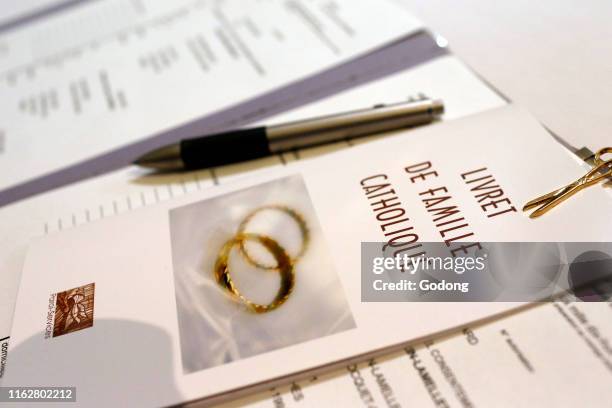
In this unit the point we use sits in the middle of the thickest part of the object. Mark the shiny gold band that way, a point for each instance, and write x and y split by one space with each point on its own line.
299 220
284 265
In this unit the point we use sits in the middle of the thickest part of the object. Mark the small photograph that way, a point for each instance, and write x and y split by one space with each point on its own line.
74 310
253 274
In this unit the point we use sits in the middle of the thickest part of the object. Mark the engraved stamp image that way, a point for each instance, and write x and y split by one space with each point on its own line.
74 310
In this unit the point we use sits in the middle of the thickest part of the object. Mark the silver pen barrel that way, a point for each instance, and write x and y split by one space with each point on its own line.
357 123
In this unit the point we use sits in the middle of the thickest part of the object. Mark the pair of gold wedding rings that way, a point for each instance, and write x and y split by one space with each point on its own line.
284 263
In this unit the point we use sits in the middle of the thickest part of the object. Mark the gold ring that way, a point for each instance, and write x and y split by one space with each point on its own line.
284 267
299 220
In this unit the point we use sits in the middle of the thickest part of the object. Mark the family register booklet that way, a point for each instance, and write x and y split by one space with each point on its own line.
261 278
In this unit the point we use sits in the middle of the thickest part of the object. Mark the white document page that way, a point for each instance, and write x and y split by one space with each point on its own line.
103 75
125 190
547 57
155 295
14 12
529 359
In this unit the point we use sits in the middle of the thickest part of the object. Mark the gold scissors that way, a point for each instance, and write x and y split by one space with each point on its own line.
601 170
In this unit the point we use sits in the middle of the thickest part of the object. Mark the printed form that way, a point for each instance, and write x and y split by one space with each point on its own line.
108 74
554 354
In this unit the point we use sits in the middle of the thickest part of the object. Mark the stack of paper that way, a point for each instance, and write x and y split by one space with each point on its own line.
130 301
156 281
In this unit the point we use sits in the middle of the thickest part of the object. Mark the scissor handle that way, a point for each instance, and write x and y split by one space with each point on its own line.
605 150
546 197
602 170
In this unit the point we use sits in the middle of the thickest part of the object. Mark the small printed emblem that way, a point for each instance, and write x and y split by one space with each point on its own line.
74 309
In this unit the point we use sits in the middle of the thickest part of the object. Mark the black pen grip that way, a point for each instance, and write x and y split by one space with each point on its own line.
224 148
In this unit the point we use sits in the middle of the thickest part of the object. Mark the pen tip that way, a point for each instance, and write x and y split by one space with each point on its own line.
163 158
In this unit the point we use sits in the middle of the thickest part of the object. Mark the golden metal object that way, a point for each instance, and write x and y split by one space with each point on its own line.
299 220
284 267
284 263
601 170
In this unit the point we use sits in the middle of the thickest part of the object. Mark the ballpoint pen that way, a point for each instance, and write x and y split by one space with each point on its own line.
252 143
